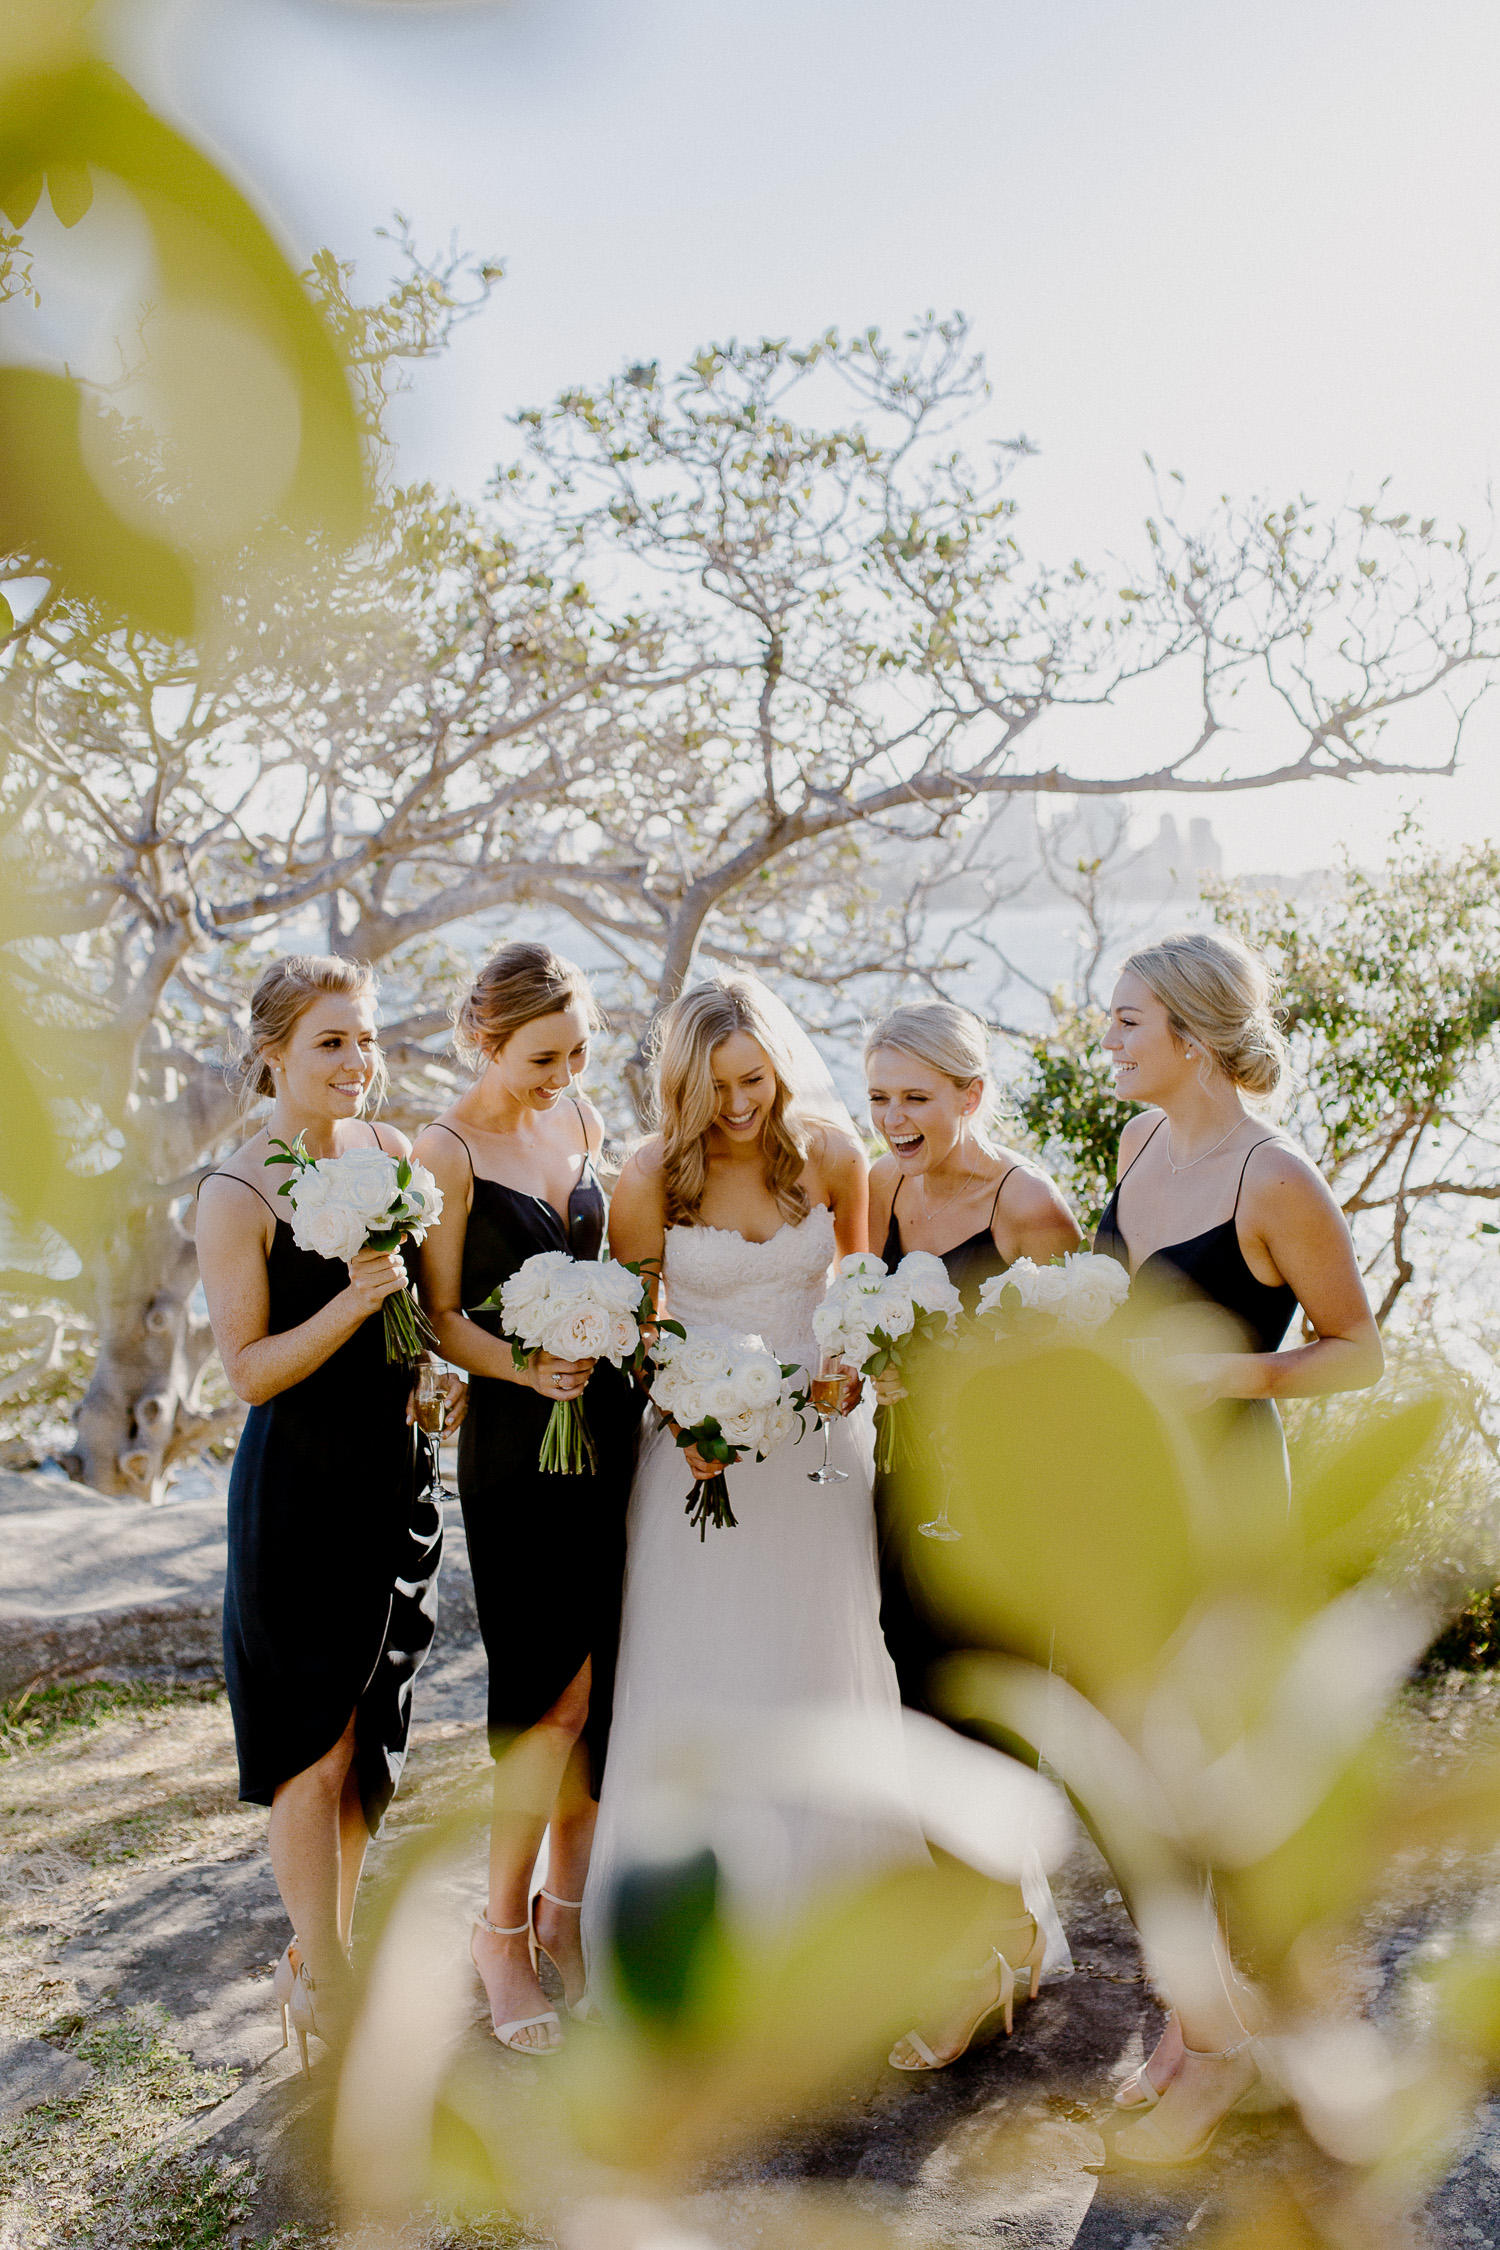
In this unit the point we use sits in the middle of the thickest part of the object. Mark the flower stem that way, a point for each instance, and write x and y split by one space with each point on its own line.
708 1503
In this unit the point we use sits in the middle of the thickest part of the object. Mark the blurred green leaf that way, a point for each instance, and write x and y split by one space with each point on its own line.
50 507
70 190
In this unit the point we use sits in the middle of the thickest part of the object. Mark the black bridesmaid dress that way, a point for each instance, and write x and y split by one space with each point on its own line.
1210 1268
547 1552
335 1537
911 1634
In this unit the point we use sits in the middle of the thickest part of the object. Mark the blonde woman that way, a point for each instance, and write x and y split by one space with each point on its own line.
752 1188
1221 1223
948 1187
517 1158
334 1535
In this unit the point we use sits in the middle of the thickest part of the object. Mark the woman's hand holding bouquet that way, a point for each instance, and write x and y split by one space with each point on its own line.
362 1207
873 1317
561 1316
725 1396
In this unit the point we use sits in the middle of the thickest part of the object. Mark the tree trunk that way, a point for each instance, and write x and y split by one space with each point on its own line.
141 1411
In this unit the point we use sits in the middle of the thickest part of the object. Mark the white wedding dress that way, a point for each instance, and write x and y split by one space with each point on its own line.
778 1618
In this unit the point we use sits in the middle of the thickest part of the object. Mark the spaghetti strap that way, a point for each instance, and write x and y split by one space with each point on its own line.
1000 1190
583 1127
895 1192
1250 1151
1140 1152
439 1127
250 1184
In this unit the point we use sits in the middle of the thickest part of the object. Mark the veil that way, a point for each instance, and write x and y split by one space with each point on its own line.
812 1094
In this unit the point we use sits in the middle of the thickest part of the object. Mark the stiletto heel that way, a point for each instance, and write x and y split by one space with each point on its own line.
582 2010
1148 2144
301 2007
283 1979
1029 1969
548 2020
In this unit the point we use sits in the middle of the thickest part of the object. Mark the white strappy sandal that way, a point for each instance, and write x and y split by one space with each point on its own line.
583 2009
1021 1980
549 2019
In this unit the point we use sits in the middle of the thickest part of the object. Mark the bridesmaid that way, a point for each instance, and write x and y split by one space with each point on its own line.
1215 1209
334 1536
516 1158
949 1188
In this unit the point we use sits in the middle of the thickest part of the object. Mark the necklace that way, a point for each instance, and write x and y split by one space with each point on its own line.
1192 1160
971 1180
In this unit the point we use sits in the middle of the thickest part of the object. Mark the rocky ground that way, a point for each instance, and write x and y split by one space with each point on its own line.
145 2099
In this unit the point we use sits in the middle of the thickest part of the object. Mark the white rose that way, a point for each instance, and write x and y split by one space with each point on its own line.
890 1312
331 1232
1094 1293
828 1325
364 1181
863 1262
721 1398
739 1429
777 1425
310 1189
700 1359
925 1280
686 1405
423 1197
759 1379
579 1332
623 1338
617 1286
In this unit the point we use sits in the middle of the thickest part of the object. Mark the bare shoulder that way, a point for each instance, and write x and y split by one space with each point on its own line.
835 1154
394 1143
1031 1194
641 1175
236 1199
1278 1173
1135 1136
442 1151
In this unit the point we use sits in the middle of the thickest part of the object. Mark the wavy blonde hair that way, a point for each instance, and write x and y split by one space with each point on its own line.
285 991
687 1102
1220 993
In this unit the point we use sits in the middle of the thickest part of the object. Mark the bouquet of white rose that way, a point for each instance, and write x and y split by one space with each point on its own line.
1077 1293
872 1317
364 1200
574 1308
728 1396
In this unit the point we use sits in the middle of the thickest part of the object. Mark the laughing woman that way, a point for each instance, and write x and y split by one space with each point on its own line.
516 1159
334 1536
948 1187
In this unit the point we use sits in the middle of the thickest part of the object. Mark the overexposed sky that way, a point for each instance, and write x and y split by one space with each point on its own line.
1256 242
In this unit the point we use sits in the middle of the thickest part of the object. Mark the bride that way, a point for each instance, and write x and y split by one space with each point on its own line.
754 1185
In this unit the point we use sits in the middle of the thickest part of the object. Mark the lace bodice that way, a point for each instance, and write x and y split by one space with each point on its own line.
766 1289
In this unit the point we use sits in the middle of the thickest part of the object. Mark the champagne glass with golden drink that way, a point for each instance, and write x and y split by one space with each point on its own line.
430 1408
829 1387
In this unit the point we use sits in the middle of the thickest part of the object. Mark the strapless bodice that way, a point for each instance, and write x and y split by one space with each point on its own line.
766 1289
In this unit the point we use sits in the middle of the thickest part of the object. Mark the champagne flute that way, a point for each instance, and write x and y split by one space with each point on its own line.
938 1526
430 1408
827 1393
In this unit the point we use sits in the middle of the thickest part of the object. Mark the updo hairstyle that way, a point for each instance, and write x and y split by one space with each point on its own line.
285 991
1220 994
948 1039
517 985
688 1102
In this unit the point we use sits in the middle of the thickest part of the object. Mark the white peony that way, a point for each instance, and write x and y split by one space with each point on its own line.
624 1335
723 1399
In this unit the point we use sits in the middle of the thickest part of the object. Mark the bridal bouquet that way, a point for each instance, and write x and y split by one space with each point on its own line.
872 1317
728 1396
364 1200
574 1308
1074 1294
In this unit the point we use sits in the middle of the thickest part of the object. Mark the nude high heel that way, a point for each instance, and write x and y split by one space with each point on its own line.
1026 1972
1148 2144
283 1984
548 2019
583 2009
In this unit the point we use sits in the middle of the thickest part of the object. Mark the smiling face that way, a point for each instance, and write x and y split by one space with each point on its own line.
540 1060
746 1084
1150 1061
325 1065
917 1110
